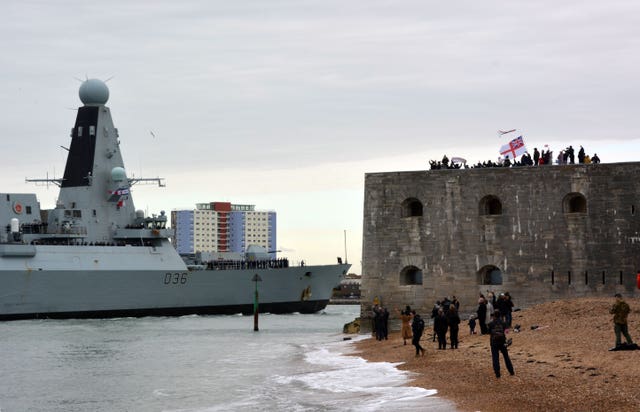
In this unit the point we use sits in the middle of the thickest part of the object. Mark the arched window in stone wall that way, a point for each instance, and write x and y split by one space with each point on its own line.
410 275
490 275
574 203
411 207
490 205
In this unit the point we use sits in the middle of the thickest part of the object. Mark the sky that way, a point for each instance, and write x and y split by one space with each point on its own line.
287 104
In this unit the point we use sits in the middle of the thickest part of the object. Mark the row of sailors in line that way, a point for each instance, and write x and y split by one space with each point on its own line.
248 264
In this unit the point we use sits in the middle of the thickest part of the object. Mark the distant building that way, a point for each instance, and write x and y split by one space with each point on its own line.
349 287
223 227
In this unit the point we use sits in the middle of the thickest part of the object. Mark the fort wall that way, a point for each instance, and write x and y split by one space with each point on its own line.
540 233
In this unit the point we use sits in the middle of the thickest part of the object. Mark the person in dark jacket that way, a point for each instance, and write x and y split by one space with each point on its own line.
620 311
440 326
434 313
417 327
509 307
472 325
497 330
378 322
453 319
501 305
482 314
455 302
536 156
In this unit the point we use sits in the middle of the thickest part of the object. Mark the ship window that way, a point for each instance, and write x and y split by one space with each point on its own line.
92 130
67 213
79 131
94 213
28 210
77 213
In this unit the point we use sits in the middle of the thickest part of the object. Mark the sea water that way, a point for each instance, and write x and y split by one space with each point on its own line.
198 363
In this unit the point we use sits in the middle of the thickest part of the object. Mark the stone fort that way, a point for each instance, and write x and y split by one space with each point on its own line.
541 233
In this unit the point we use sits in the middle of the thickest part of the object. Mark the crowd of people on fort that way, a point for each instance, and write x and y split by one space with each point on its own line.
539 158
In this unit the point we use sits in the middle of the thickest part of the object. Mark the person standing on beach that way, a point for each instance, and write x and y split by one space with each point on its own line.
385 323
453 319
440 326
455 302
620 311
378 322
472 325
501 305
482 313
509 306
434 313
490 309
405 317
417 327
498 340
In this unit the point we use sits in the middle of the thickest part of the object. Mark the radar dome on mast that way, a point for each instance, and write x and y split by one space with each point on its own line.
118 174
94 91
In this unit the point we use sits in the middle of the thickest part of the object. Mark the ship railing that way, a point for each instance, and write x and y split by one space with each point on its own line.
71 230
228 264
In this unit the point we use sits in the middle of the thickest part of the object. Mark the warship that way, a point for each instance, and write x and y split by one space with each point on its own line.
95 256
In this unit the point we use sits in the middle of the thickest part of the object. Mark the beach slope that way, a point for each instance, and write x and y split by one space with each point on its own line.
561 358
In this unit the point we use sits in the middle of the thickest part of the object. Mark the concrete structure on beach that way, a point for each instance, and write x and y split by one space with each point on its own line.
541 233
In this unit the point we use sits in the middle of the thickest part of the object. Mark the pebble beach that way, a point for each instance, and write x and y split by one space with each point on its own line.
561 358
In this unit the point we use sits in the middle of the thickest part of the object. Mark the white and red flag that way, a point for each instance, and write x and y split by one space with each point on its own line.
514 148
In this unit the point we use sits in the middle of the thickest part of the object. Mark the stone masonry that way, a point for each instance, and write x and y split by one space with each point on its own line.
541 233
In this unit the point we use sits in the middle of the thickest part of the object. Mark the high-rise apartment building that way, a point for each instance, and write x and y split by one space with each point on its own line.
223 227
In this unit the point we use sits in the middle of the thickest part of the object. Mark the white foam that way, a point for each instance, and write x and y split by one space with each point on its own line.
374 384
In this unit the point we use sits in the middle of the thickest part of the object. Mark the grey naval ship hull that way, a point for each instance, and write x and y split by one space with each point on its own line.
103 284
93 255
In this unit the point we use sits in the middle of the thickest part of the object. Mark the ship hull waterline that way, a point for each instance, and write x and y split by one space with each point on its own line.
64 294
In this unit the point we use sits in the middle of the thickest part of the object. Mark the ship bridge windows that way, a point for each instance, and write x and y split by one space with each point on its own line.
574 203
411 207
73 213
410 275
490 205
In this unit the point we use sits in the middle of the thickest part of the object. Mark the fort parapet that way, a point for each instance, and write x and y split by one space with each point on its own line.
541 233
